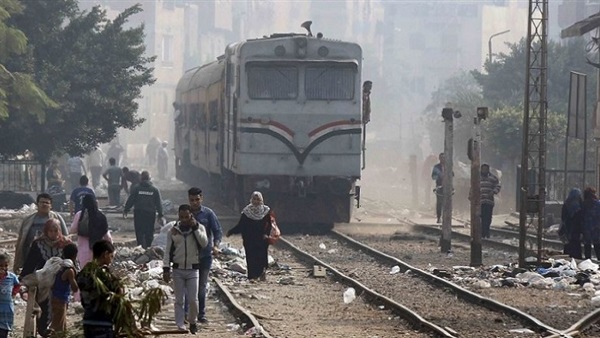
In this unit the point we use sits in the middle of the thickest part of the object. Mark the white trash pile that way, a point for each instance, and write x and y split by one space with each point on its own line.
562 274
24 211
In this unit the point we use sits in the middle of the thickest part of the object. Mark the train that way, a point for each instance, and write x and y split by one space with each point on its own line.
285 115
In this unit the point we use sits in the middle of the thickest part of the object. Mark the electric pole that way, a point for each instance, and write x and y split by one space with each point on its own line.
448 114
475 196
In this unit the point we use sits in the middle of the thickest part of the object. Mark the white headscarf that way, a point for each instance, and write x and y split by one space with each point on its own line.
256 212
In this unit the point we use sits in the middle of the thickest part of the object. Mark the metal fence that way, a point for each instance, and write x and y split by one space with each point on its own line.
21 176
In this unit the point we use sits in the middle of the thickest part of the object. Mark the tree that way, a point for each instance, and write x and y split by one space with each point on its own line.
502 83
18 91
94 68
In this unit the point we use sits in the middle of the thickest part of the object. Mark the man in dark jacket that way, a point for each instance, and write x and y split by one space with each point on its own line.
489 187
437 174
146 202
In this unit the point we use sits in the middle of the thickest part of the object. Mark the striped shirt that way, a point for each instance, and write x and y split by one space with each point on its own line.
490 186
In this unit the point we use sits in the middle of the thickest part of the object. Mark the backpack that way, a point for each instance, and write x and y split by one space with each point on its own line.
83 228
274 233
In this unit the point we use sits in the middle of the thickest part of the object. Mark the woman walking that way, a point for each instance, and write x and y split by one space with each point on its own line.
591 223
572 223
254 225
90 226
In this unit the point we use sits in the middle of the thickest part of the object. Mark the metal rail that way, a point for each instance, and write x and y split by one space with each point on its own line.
405 312
240 310
459 291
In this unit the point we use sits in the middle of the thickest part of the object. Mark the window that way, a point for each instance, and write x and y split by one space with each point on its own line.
330 82
272 82
167 49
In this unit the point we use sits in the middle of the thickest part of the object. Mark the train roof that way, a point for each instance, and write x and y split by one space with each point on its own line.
202 76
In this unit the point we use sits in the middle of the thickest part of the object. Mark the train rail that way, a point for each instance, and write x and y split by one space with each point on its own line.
439 307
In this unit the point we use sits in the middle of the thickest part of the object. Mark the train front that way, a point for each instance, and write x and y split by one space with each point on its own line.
300 126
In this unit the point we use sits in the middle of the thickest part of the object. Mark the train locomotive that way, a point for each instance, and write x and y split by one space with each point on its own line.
285 115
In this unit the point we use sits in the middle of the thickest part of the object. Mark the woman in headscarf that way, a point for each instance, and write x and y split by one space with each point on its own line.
572 223
48 245
591 223
90 226
254 227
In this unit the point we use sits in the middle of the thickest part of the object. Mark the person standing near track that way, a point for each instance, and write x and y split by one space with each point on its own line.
437 174
489 186
146 202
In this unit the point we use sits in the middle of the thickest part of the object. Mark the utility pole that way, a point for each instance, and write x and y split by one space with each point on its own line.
475 156
533 160
448 114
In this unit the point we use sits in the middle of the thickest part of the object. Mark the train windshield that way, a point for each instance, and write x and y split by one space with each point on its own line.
274 82
330 82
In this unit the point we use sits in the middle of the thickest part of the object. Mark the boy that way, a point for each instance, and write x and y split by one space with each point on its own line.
184 242
97 320
9 287
64 283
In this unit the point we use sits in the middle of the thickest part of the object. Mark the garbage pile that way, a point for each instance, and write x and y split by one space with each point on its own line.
557 274
25 210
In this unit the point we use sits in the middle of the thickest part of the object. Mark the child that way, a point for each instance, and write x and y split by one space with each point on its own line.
9 287
184 242
64 283
97 319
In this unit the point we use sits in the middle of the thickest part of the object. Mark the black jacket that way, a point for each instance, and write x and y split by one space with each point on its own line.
145 197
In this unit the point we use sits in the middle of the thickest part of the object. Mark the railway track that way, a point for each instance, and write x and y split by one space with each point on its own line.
424 299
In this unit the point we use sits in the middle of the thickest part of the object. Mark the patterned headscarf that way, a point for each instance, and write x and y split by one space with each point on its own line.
256 212
60 241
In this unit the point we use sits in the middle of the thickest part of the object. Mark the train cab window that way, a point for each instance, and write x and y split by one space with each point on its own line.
213 110
272 82
327 82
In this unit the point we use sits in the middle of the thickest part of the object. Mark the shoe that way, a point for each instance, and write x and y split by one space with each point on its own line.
203 320
193 328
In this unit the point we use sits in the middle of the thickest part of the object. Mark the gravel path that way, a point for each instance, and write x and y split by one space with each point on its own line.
559 309
299 305
434 304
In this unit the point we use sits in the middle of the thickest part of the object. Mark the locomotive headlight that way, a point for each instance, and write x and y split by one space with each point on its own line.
323 51
301 44
280 50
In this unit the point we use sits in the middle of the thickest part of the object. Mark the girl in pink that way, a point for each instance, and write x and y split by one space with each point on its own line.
90 226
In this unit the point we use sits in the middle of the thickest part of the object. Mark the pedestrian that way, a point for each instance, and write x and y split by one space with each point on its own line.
78 193
64 284
32 227
184 243
54 175
146 202
76 169
90 226
489 186
571 227
96 163
96 284
132 176
591 223
9 287
152 150
163 161
115 150
214 232
49 244
254 225
114 176
437 174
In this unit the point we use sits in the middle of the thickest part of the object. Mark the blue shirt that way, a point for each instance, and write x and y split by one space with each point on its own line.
77 196
209 219
7 307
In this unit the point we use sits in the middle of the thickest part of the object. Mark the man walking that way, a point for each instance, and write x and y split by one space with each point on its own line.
490 186
114 176
76 169
209 220
95 163
32 227
146 202
78 193
437 174
163 161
